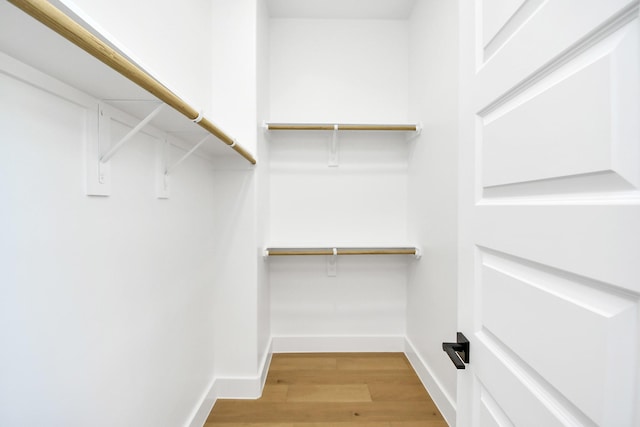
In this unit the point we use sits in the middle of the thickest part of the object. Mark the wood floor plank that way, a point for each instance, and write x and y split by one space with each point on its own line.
274 393
346 424
329 393
217 424
380 363
296 363
429 423
344 355
270 412
343 377
398 392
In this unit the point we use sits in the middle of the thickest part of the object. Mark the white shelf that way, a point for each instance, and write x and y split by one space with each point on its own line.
408 131
25 39
337 250
365 127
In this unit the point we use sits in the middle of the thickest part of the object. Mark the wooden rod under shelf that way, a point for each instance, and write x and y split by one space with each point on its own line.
328 126
397 128
376 251
56 20
299 251
340 251
292 126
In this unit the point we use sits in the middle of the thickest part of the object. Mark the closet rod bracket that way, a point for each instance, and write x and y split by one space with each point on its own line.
332 263
333 154
414 135
162 177
199 118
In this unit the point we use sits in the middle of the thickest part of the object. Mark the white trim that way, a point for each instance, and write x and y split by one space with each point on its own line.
232 388
264 365
246 387
338 344
239 387
203 409
445 403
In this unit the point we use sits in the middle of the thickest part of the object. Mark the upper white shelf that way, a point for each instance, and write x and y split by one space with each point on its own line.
335 251
343 127
29 41
412 129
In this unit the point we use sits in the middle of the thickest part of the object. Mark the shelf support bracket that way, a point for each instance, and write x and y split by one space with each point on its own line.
99 150
162 179
109 154
333 155
183 158
163 172
97 136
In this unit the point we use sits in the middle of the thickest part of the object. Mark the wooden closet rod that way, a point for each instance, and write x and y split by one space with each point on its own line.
340 251
376 251
328 126
56 20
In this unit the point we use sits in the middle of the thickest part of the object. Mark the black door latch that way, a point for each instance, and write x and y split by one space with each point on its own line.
458 352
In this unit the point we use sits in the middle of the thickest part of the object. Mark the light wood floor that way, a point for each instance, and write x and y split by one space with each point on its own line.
334 389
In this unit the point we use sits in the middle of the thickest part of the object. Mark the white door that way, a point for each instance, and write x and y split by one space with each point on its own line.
550 213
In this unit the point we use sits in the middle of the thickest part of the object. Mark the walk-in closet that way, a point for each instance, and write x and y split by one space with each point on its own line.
191 190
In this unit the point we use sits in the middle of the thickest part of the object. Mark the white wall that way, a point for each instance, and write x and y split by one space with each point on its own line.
241 303
236 297
105 302
263 184
344 71
170 40
234 68
431 310
339 70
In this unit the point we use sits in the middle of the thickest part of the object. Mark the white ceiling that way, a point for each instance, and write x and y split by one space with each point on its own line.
341 9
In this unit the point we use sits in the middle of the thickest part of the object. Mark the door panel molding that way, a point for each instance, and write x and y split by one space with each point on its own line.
521 391
491 414
597 323
494 39
518 73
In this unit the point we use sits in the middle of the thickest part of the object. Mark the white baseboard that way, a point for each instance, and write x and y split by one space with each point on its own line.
338 344
203 410
246 387
264 365
232 388
440 397
239 387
